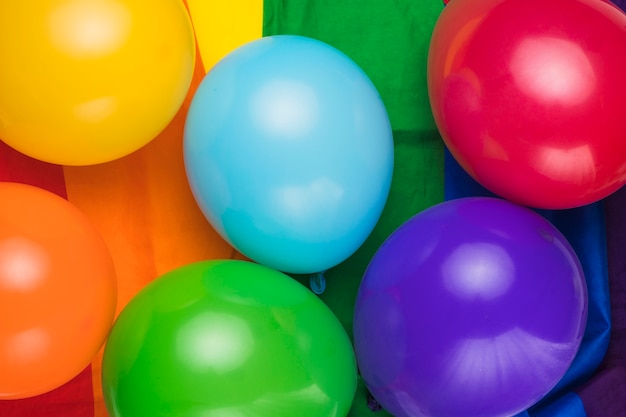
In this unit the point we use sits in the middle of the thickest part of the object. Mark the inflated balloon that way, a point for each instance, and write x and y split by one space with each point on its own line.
528 96
474 307
228 338
289 153
57 291
85 82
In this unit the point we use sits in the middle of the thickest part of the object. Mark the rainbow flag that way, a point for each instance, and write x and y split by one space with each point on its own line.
144 209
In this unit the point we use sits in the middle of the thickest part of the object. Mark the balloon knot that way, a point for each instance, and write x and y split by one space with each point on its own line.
372 404
318 282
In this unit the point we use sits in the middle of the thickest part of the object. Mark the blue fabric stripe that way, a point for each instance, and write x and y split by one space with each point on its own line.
569 405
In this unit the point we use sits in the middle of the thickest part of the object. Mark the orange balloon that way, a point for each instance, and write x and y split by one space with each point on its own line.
57 291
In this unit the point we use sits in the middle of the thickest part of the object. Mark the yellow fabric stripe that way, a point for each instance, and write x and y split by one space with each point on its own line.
222 26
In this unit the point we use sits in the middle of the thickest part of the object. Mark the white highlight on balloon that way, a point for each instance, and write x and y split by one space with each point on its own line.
478 270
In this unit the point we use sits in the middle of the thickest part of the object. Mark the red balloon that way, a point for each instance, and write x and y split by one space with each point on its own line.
529 97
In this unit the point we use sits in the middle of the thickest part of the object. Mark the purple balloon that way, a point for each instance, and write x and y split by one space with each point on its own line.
475 307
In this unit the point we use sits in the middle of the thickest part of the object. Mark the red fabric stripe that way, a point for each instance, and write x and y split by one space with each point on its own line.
16 167
74 399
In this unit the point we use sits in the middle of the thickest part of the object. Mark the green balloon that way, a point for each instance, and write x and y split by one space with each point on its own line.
228 338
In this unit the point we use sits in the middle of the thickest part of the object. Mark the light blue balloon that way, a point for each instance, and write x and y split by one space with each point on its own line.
289 153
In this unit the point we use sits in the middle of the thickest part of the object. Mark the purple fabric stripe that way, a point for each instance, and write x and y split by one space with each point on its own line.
605 394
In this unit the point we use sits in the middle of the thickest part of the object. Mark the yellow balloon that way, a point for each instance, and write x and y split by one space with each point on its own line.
88 81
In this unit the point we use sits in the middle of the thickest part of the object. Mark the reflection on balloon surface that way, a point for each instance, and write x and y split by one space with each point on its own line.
89 29
478 270
215 342
553 70
23 264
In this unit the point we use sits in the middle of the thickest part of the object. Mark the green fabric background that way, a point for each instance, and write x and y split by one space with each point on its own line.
389 41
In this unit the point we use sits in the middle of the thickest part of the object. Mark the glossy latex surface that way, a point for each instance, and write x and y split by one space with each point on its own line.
289 153
57 291
228 338
89 81
474 307
528 96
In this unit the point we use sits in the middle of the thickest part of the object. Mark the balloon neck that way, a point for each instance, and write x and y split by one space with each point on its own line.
318 282
372 404
446 2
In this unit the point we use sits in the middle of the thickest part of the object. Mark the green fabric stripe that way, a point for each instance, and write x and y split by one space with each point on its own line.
389 41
